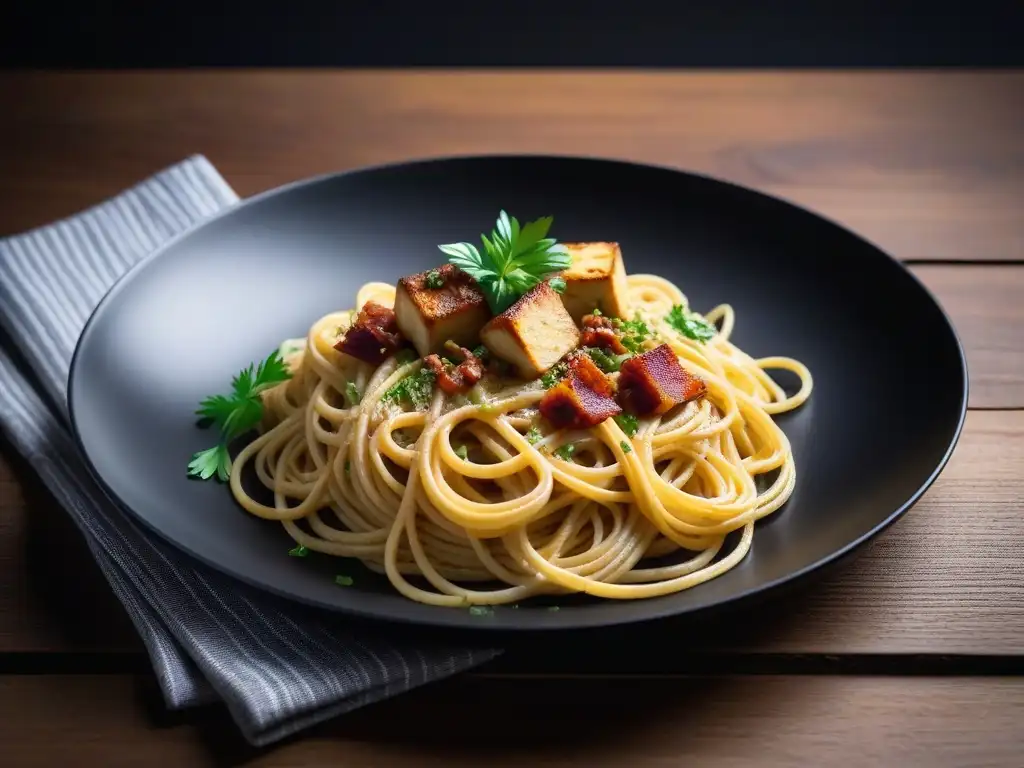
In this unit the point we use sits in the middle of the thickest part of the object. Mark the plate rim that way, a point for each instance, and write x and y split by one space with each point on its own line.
454 619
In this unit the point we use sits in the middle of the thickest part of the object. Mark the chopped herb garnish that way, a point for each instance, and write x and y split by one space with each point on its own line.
434 279
482 353
485 407
481 610
462 452
343 581
415 389
633 333
554 375
626 447
566 451
557 284
597 312
236 414
298 551
690 324
553 608
534 436
513 260
606 361
628 423
348 467
352 393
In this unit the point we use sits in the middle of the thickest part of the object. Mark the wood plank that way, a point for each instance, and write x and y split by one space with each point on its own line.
926 164
986 304
946 579
767 721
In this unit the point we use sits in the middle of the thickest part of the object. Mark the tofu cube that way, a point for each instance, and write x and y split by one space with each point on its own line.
534 333
654 382
581 400
429 316
596 279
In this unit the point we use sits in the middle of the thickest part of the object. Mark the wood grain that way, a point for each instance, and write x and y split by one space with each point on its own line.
768 721
948 578
929 165
986 305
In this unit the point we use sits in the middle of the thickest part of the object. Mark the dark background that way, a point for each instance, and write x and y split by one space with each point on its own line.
400 33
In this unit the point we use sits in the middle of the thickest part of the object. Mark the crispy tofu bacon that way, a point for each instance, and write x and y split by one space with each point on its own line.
583 399
374 335
598 331
440 304
652 383
534 333
459 377
596 278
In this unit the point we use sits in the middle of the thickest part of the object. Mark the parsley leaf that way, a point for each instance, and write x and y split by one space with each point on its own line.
514 259
626 447
299 551
557 284
481 610
415 389
534 436
554 374
462 452
690 324
236 413
343 581
212 461
434 279
216 409
352 393
628 423
566 451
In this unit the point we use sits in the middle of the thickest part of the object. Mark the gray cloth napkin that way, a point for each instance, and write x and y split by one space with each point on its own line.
279 668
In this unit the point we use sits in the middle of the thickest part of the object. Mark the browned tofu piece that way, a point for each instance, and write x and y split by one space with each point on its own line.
652 383
429 316
596 280
534 333
583 399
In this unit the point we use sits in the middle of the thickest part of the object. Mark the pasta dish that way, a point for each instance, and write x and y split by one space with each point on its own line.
525 419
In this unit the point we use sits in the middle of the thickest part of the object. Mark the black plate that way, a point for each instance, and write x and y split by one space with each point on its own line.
890 376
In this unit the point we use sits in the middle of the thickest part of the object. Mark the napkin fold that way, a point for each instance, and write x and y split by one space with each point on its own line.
278 667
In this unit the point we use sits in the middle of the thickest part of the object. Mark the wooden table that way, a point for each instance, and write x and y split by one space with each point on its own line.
910 655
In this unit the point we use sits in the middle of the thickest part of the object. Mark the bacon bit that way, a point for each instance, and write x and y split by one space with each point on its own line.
373 336
652 383
456 379
583 399
598 332
597 321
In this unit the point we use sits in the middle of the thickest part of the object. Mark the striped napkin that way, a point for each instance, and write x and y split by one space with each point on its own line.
278 667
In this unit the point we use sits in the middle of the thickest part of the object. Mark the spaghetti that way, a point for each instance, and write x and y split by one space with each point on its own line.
450 500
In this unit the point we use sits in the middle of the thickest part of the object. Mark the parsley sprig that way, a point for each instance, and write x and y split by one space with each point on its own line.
235 414
514 259
690 324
